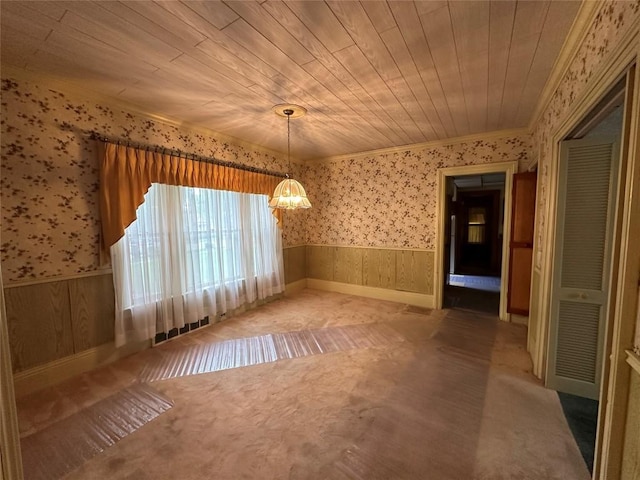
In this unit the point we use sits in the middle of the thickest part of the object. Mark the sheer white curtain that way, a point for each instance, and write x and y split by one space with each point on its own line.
191 253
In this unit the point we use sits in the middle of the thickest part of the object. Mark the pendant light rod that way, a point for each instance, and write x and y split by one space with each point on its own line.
289 194
288 112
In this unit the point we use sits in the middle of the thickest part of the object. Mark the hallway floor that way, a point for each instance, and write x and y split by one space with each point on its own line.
477 282
318 385
465 298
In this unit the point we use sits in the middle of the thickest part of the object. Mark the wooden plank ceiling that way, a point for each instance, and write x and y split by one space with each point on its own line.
371 74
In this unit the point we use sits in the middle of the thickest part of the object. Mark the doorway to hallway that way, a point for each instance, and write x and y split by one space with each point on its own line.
473 244
472 292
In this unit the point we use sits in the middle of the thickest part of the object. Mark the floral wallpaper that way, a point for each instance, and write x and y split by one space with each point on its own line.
612 21
49 176
389 200
50 214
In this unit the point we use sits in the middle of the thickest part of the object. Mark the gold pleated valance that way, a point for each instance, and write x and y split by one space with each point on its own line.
126 173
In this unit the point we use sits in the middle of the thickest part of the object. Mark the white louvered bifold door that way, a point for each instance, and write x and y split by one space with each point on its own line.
587 182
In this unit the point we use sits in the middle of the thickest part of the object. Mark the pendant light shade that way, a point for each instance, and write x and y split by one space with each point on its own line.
289 194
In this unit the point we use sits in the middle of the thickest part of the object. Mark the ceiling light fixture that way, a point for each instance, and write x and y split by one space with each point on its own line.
289 194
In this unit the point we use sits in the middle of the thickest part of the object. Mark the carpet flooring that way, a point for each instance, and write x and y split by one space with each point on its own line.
444 394
582 417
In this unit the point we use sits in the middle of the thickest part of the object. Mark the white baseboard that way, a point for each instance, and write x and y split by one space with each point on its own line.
411 298
52 373
295 287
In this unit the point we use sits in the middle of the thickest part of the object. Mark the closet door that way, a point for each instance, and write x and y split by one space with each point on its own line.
587 183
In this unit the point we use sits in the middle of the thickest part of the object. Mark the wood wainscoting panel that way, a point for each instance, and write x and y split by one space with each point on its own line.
320 262
39 321
430 272
348 265
414 271
387 268
379 268
295 263
92 311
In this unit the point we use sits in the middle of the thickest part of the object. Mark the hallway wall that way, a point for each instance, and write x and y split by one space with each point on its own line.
612 23
615 25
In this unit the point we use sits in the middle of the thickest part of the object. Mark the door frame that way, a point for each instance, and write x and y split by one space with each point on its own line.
508 168
620 329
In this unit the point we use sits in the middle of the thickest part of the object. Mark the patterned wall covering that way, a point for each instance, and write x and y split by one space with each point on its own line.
50 214
612 21
389 200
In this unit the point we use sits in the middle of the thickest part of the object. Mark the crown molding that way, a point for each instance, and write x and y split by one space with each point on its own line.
575 38
514 132
80 90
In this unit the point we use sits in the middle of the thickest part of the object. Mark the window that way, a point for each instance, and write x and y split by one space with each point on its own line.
194 252
476 225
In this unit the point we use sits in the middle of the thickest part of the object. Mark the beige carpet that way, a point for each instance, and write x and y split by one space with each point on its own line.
454 399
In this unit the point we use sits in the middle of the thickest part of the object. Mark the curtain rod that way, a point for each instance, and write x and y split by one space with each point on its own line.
178 153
